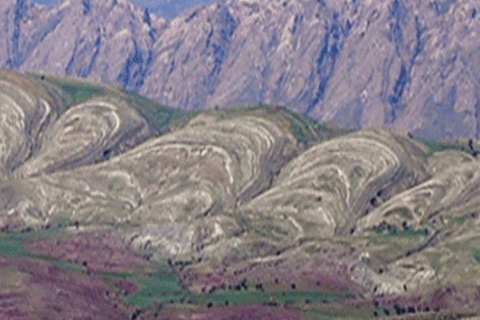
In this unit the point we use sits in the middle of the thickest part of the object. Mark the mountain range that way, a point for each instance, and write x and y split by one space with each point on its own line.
407 65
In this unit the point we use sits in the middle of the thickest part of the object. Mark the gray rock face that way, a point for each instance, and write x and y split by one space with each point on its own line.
171 9
407 65
109 41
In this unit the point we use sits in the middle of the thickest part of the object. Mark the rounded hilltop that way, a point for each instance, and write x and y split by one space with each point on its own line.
253 202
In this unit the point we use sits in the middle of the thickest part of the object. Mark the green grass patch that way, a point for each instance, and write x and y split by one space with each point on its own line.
408 232
443 145
70 266
308 130
12 244
76 91
159 117
254 296
81 92
164 288
476 255
157 288
240 110
120 275
461 220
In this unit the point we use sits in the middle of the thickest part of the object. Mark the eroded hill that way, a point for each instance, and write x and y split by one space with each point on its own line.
251 204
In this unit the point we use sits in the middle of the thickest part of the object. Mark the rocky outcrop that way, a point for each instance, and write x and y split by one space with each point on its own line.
89 132
26 110
42 135
181 188
325 189
109 41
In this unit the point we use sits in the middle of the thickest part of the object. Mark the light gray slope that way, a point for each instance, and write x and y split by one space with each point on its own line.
180 189
433 230
26 109
324 190
41 135
89 132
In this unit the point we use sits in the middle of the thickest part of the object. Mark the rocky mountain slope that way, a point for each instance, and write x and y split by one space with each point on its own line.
246 206
170 9
407 65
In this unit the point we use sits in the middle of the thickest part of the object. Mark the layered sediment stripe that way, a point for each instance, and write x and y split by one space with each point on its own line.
185 177
453 193
332 184
26 108
87 133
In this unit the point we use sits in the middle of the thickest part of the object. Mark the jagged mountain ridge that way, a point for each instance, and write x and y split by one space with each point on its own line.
407 65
